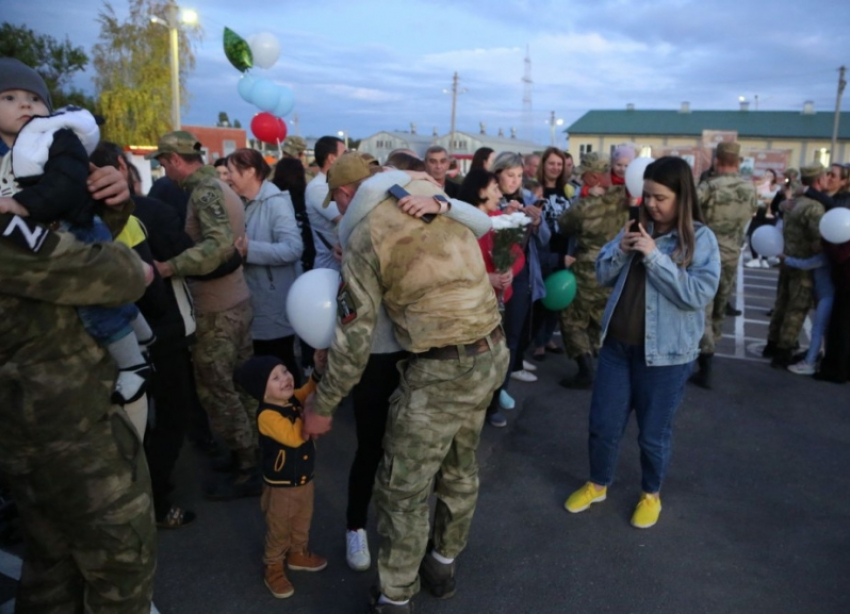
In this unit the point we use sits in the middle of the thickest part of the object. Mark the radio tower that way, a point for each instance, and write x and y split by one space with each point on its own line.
527 87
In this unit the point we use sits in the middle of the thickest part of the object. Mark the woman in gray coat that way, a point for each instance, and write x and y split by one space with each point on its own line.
271 250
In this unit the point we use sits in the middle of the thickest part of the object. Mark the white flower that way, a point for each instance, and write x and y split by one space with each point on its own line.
509 221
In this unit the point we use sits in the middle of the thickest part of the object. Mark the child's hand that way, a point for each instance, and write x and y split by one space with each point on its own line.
320 361
148 273
10 205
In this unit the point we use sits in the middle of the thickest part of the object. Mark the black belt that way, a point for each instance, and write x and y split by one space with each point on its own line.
453 352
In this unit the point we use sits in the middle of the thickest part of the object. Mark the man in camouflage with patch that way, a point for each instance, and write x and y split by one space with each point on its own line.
593 221
430 277
801 232
728 202
215 218
73 462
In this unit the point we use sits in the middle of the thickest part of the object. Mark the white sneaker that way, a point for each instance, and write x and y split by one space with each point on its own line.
524 376
755 263
802 368
528 366
772 262
765 264
357 550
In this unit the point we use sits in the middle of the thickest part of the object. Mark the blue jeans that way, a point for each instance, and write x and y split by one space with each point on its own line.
105 324
624 382
823 311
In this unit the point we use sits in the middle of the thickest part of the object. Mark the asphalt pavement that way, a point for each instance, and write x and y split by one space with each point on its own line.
756 508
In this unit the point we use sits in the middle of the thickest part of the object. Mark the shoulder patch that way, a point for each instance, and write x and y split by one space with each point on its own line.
346 305
211 199
26 234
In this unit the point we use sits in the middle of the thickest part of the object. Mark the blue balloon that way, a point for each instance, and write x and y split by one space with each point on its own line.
286 102
245 87
265 95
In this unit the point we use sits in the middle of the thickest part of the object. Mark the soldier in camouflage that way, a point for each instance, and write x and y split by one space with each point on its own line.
74 464
794 297
215 218
728 203
431 279
593 221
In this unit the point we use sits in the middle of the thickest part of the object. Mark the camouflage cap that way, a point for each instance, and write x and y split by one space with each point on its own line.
593 162
349 168
294 146
179 142
812 172
791 173
731 147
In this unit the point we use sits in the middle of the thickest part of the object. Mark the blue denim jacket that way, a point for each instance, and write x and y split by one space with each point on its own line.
676 298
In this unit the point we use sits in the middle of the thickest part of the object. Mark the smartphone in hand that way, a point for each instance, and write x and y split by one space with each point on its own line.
399 192
634 218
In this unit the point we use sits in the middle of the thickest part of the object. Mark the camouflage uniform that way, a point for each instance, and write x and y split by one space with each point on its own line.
794 294
593 221
223 336
728 202
74 463
432 282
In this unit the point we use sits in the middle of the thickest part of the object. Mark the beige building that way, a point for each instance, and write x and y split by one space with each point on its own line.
803 137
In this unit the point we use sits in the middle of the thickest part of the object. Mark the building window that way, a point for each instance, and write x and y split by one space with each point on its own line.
585 149
822 156
229 147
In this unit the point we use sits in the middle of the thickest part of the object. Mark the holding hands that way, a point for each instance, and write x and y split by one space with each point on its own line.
637 241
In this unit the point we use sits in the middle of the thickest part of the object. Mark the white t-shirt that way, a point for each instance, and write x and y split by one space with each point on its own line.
322 222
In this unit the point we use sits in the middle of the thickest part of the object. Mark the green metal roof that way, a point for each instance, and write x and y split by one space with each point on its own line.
765 124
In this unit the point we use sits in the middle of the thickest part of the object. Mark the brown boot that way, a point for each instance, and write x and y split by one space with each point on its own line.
277 582
305 561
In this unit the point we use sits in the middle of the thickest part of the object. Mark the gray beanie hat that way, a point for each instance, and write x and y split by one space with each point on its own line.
15 75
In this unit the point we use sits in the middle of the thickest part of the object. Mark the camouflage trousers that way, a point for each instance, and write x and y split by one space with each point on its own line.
793 301
581 321
87 517
433 430
223 343
716 310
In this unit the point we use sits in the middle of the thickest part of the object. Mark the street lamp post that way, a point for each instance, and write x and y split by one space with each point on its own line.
172 21
343 134
553 123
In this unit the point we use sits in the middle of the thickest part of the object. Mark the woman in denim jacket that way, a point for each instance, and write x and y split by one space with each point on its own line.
663 279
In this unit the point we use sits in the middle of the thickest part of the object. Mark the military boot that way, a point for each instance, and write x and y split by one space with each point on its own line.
583 380
782 358
702 377
769 350
437 577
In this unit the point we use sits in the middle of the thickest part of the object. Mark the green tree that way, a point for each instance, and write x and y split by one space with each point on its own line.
56 61
133 78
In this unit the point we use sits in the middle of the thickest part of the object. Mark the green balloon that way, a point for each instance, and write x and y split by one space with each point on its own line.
560 290
237 51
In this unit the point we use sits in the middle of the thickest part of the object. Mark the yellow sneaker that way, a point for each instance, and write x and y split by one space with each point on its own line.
581 499
647 511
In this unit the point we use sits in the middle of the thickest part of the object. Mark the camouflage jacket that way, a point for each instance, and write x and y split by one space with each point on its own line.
594 221
430 278
54 379
207 223
728 202
801 229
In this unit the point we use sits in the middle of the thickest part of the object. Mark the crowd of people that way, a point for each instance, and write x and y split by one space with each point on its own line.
186 290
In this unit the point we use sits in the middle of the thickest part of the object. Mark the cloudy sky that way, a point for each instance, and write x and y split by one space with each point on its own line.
369 65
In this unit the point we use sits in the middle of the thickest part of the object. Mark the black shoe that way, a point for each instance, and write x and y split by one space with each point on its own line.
225 463
702 377
584 378
437 577
245 484
769 350
731 311
782 358
386 608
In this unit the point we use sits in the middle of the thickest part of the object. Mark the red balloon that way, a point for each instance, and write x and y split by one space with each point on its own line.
268 128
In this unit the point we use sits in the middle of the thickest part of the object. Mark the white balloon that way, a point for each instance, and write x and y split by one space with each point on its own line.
768 241
634 175
835 225
311 306
265 48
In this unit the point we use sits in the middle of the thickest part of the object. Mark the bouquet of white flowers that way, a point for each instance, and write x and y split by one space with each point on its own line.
508 230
